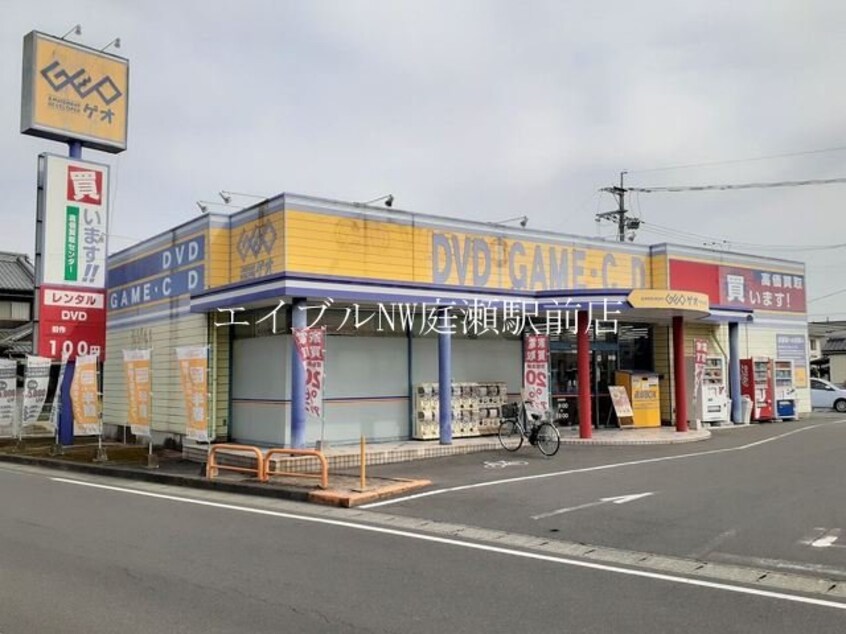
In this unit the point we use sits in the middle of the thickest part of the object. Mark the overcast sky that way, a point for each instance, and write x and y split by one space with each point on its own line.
480 110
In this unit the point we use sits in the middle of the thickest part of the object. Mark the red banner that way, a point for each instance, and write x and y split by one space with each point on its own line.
700 358
536 373
71 322
311 349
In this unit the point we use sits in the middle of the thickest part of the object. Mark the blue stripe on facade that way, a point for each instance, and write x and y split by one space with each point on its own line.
168 286
158 262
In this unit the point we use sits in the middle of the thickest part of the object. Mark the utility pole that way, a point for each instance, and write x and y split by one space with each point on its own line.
622 222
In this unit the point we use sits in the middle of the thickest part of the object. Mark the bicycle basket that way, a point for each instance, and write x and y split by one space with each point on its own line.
510 410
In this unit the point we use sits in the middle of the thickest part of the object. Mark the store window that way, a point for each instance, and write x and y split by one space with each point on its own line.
630 348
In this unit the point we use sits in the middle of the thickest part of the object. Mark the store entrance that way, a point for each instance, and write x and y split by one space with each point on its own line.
630 348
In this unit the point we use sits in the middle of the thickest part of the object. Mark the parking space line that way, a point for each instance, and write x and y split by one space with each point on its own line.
617 465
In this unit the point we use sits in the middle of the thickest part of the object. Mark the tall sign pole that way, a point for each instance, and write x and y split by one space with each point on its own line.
76 95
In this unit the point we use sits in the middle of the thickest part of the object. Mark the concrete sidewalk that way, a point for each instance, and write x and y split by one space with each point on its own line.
345 457
187 468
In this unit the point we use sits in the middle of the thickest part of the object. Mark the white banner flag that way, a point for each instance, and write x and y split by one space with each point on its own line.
8 396
36 382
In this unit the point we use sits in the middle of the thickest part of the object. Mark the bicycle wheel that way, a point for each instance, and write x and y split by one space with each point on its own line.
548 439
510 436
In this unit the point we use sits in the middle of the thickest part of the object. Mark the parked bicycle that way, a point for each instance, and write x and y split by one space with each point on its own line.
520 425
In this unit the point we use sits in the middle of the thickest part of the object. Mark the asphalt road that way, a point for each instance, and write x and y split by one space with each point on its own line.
87 554
767 495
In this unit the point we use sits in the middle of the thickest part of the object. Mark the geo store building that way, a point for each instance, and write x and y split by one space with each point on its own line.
687 331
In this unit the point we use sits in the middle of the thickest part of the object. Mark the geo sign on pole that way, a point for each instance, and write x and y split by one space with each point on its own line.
74 93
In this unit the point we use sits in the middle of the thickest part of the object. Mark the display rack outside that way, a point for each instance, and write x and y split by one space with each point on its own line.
476 409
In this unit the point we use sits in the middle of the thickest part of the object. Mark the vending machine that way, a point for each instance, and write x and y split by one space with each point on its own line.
712 402
756 382
785 389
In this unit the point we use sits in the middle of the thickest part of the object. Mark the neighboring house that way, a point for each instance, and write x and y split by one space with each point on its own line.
17 296
828 350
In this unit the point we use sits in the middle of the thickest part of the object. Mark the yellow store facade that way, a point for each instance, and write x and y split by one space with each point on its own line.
380 280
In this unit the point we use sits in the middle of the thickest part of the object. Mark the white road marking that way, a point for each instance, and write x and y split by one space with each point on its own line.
827 540
782 596
501 464
617 465
620 499
779 564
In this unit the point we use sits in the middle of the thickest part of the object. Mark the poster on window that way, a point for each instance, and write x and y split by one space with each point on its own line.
795 348
136 370
193 372
311 349
85 397
8 396
36 382
700 358
536 373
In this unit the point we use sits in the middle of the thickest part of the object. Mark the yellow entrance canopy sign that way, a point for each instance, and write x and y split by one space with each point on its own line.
74 93
669 300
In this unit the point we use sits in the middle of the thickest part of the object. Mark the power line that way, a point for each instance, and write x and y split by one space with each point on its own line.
837 292
750 245
744 160
699 188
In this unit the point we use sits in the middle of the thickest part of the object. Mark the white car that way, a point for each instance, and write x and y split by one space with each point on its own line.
827 395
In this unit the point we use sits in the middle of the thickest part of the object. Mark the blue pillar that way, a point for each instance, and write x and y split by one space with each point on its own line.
66 407
734 372
445 379
75 149
298 390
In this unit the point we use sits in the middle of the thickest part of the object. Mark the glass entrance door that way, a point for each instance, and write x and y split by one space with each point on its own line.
629 349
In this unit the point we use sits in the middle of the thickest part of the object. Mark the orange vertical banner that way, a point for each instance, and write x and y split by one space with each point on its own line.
137 371
193 374
85 397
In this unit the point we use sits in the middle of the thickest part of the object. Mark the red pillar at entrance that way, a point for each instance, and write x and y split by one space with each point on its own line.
679 374
583 369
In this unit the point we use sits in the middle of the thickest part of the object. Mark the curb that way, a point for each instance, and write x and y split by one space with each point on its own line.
197 482
355 498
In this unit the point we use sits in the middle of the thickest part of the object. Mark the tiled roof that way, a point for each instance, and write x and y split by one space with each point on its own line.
16 341
835 345
16 272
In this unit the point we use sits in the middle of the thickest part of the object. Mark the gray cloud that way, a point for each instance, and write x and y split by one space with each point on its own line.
482 110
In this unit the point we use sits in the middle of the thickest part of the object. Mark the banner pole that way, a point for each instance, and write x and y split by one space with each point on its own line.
101 452
152 462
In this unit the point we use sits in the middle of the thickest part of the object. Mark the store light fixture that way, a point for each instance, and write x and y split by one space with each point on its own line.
524 220
76 30
115 42
204 205
226 196
388 198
